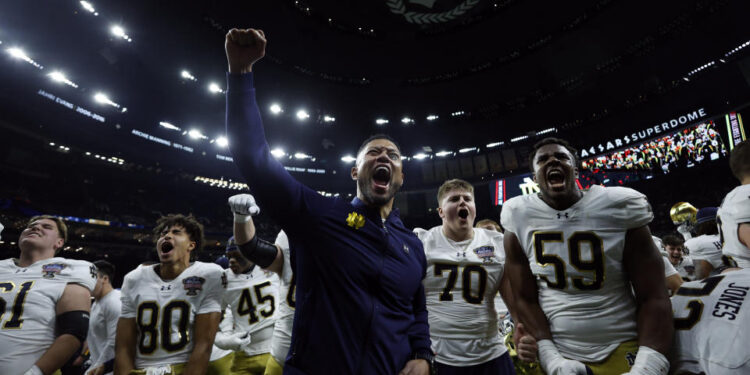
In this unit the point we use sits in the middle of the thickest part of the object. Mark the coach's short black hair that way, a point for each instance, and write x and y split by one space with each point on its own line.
193 228
105 268
377 136
739 160
552 141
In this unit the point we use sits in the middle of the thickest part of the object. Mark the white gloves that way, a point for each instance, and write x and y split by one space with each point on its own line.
554 364
649 362
243 207
34 370
234 342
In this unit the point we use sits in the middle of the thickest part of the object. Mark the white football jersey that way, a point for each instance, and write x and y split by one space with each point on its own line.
711 325
460 285
685 268
253 298
165 310
706 247
576 256
102 328
735 210
282 330
669 269
28 298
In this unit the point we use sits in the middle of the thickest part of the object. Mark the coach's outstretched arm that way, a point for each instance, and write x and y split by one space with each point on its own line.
269 181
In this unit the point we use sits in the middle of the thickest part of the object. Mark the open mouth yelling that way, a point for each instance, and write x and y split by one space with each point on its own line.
463 213
556 179
166 248
381 178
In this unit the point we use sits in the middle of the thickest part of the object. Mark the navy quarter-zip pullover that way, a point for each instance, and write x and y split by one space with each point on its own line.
360 304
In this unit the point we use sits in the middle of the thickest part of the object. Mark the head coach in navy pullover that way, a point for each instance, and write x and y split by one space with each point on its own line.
360 304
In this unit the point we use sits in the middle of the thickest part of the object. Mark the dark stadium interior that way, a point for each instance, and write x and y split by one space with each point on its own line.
510 71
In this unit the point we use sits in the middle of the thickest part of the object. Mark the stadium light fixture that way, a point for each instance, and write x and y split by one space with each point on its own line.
276 108
432 117
442 154
186 75
494 144
278 152
407 120
222 141
327 118
169 126
348 159
467 149
196 134
58 76
301 155
302 115
119 32
86 5
381 121
104 99
18 53
214 88
420 156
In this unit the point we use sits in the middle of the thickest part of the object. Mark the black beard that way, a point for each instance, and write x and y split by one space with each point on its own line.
365 186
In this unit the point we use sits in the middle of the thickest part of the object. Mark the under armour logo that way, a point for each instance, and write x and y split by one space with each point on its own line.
166 287
406 249
560 215
458 254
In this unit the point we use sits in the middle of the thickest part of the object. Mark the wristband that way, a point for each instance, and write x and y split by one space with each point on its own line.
650 362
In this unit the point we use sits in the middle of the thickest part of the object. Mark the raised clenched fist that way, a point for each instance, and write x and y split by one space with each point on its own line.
244 47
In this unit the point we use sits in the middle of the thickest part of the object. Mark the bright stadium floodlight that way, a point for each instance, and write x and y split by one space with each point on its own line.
104 99
443 153
222 141
60 77
278 152
86 5
420 156
169 126
185 74
432 117
494 144
276 108
196 134
18 53
407 120
467 149
214 88
381 121
302 115
348 159
327 118
301 155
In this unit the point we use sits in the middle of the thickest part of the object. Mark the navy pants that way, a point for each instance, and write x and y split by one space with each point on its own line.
501 365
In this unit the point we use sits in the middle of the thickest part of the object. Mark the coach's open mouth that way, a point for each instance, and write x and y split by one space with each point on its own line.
381 178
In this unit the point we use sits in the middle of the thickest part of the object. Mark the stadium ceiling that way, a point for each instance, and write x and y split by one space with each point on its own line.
481 70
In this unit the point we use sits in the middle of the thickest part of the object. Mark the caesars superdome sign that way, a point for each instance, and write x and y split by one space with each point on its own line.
424 12
644 134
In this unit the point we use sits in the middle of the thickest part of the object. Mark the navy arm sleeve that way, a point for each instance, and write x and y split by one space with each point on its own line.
419 332
271 184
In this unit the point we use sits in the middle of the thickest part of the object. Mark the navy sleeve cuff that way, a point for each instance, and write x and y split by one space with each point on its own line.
240 82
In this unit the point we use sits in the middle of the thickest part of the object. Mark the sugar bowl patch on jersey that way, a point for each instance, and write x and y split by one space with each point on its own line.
30 295
165 310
